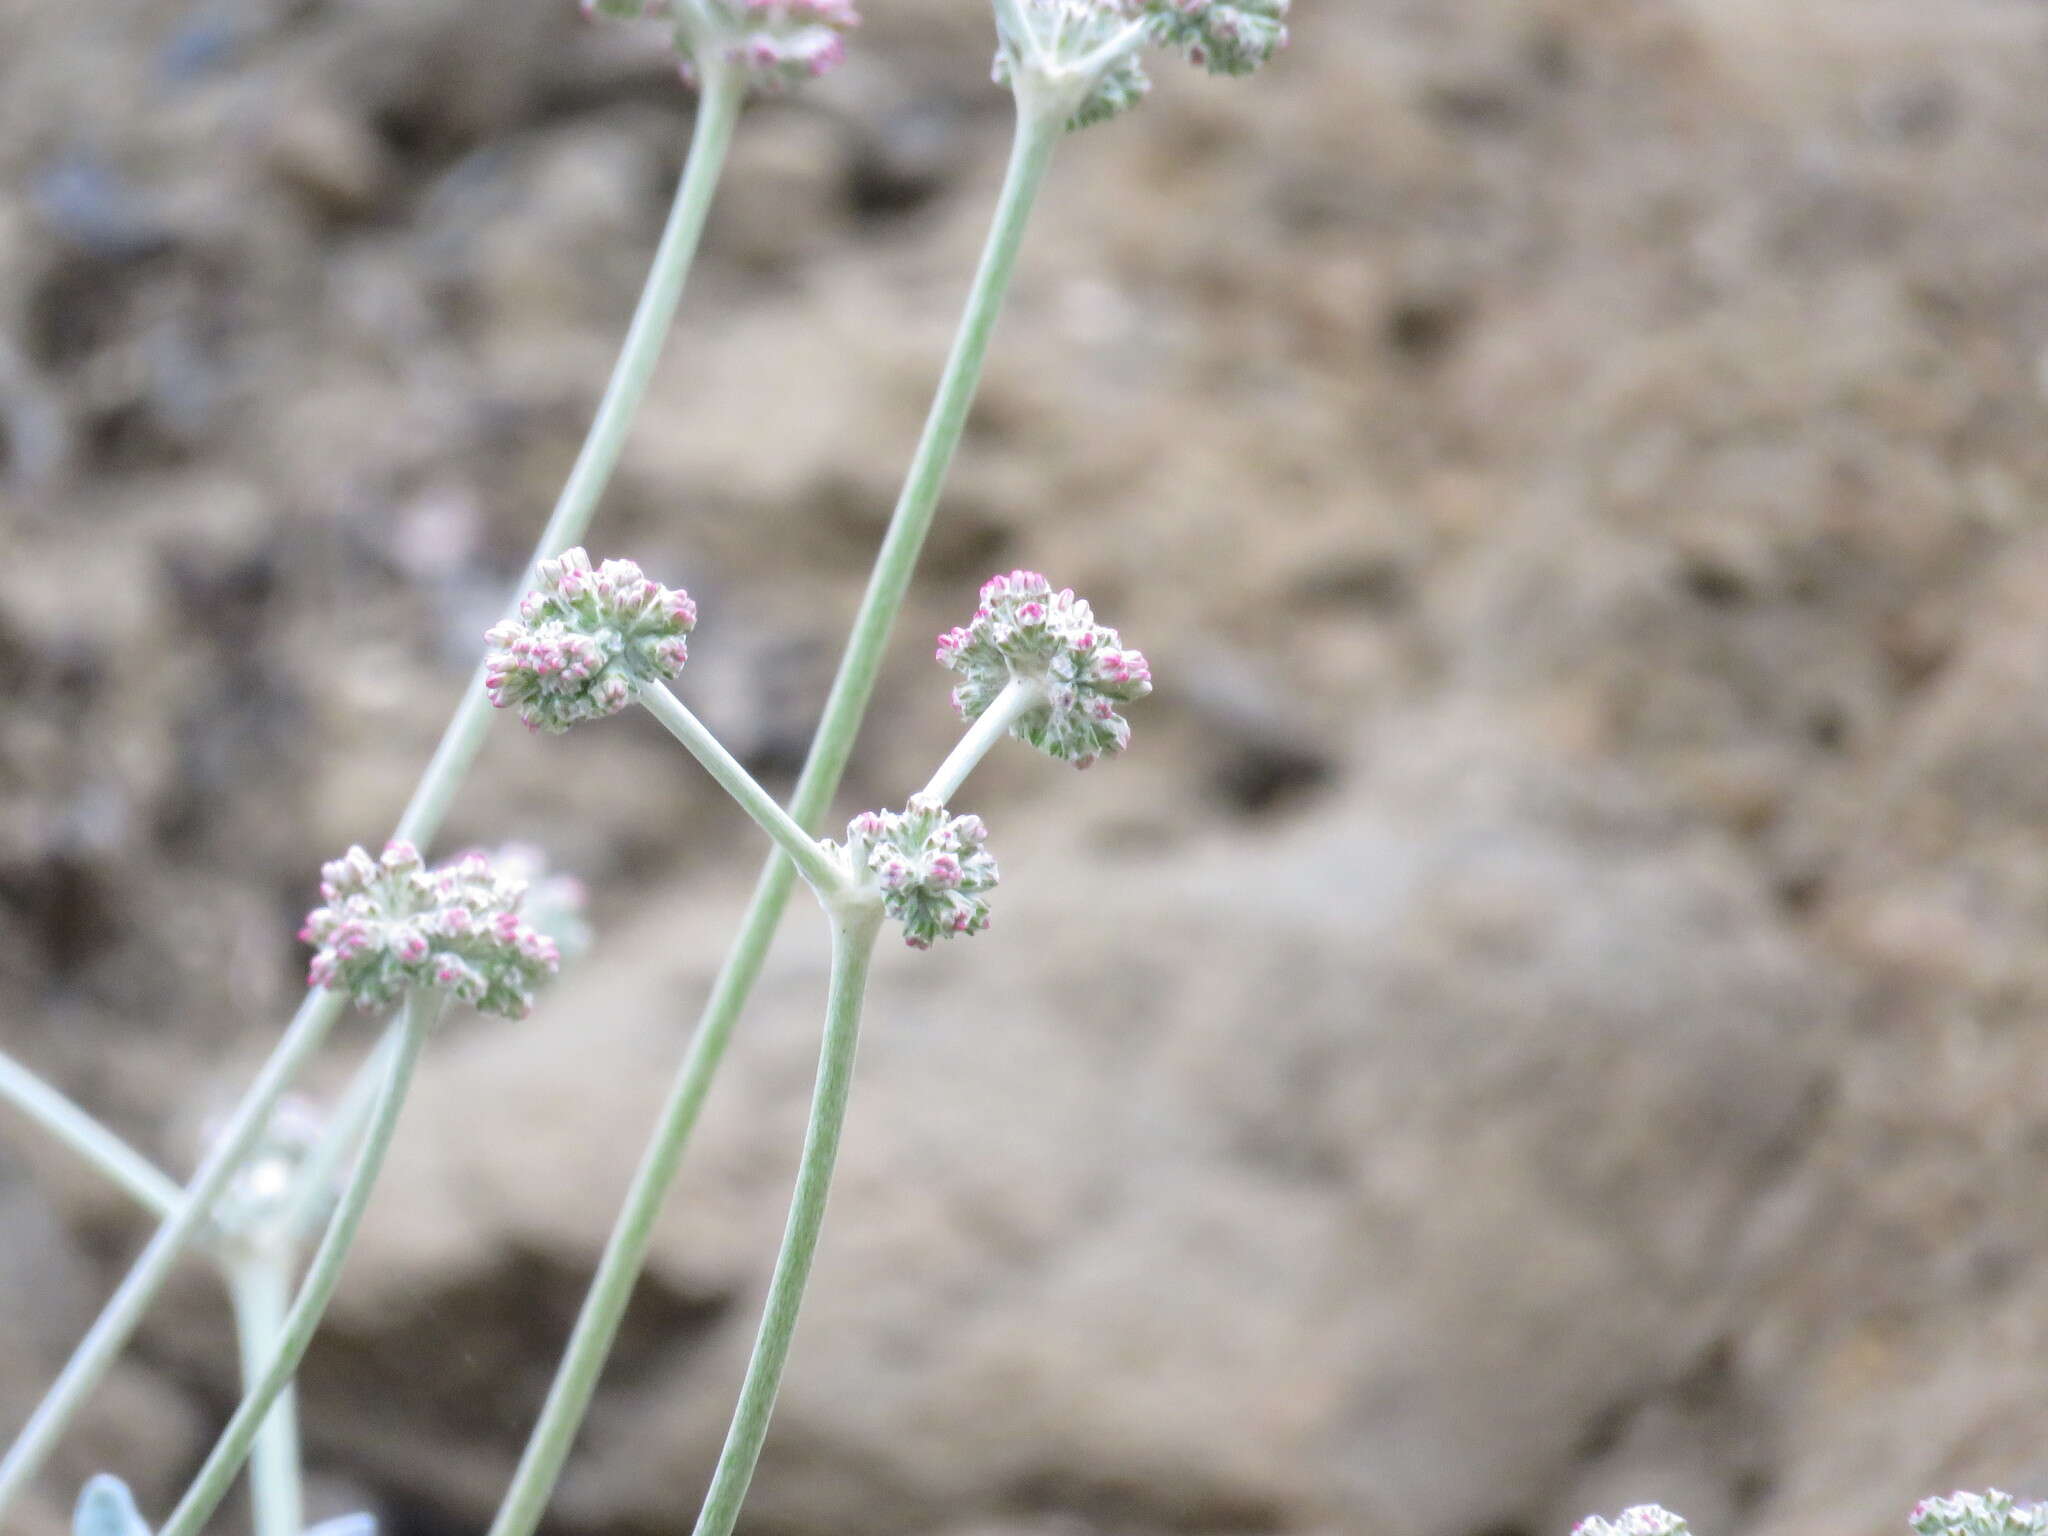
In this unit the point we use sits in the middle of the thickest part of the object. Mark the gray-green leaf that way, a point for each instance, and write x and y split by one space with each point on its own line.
107 1508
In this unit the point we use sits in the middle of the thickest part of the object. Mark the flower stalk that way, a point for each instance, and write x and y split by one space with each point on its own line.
259 1286
124 1311
312 1193
150 1187
1019 696
853 947
597 1324
414 1024
584 643
718 106
801 849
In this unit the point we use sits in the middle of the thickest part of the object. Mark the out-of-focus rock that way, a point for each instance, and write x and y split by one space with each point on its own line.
330 156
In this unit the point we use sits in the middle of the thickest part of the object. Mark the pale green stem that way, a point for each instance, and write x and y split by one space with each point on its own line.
259 1283
853 946
1016 28
315 1183
1019 695
547 1448
717 111
803 850
153 1189
118 1320
718 106
281 1360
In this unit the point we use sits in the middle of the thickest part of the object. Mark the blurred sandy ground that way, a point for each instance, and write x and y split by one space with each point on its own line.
1545 1016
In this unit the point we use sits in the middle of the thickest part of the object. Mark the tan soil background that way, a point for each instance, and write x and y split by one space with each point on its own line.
1548 1012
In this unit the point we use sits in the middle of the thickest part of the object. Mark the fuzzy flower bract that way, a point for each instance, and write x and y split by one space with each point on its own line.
584 640
1024 629
932 869
390 924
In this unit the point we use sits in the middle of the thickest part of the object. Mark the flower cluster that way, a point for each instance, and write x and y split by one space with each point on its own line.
1642 1520
555 904
1091 46
1978 1514
931 868
391 924
775 42
1225 37
1024 629
1075 31
584 640
263 1187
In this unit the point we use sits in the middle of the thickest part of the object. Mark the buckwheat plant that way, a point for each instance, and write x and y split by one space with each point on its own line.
278 1195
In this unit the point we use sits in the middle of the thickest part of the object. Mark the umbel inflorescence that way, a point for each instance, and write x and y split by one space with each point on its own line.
584 639
390 924
934 870
1087 50
1080 669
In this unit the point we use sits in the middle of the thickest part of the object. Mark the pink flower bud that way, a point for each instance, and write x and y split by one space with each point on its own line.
585 638
930 868
391 925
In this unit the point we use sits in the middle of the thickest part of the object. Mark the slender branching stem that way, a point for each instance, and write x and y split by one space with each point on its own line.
626 1250
281 1358
317 1178
853 947
153 1189
802 849
1030 156
118 1320
718 108
1019 695
259 1284
717 112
